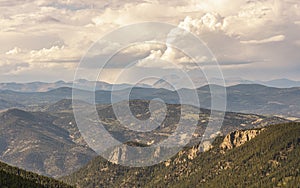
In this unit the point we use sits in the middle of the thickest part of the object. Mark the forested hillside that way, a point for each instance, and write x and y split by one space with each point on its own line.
13 177
271 159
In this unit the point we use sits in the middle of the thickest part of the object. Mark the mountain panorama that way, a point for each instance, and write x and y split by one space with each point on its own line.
39 133
104 94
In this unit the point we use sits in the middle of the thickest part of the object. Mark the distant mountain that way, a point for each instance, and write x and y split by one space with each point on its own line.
280 83
200 81
80 84
167 82
41 142
36 100
161 83
16 177
263 100
247 98
265 157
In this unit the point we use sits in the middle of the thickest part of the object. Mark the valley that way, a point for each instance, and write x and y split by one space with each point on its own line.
38 133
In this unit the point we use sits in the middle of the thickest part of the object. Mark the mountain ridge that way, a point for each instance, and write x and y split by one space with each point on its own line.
84 84
269 159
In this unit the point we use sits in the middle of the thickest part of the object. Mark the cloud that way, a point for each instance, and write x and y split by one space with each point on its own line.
167 59
53 33
12 67
209 22
45 53
19 61
154 61
9 3
14 51
276 38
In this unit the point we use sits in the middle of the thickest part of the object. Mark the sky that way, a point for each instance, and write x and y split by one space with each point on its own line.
44 40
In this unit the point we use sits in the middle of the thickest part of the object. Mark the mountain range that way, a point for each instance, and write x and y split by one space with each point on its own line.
162 83
246 98
80 84
258 144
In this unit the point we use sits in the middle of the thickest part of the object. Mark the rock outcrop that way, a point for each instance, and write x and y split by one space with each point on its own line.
238 138
205 146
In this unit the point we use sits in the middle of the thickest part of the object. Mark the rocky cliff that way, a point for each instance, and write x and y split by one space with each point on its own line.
238 138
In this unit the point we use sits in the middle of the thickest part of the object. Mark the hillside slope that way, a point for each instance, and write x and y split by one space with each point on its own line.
49 142
13 177
41 142
270 159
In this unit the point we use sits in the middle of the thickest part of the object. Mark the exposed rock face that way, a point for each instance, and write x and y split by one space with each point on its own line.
130 154
205 146
232 140
238 138
192 153
119 154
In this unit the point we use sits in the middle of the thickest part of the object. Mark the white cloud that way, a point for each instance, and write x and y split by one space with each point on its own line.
45 53
167 59
14 51
55 33
12 67
143 48
207 23
276 38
